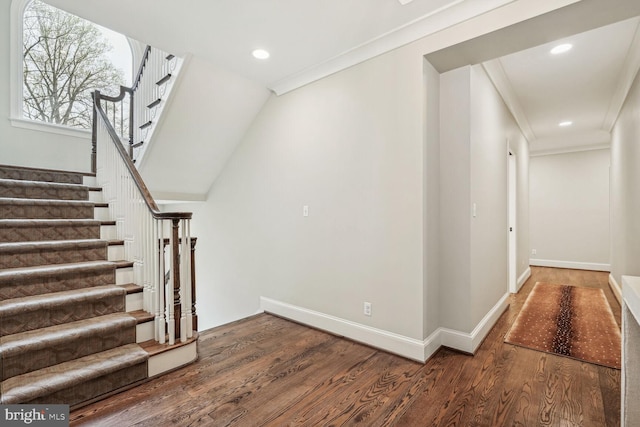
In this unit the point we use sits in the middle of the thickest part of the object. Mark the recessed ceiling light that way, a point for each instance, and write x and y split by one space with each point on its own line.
565 123
260 54
561 48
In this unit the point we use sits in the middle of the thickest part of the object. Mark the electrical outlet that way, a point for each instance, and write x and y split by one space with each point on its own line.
367 309
533 252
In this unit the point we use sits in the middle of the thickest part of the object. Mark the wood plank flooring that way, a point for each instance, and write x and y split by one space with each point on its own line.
266 371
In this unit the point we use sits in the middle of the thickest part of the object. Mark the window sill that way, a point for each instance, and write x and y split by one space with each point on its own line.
51 128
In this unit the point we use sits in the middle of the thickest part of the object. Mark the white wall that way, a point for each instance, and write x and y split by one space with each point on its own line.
208 115
455 199
491 127
625 189
334 146
431 217
570 209
27 147
475 127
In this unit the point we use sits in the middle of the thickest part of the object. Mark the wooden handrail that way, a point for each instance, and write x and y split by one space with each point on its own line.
146 194
143 63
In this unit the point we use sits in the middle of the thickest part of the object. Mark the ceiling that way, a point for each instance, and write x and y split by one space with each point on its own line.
304 37
586 85
313 38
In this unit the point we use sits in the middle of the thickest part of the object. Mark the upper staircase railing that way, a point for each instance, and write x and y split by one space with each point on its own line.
135 112
158 243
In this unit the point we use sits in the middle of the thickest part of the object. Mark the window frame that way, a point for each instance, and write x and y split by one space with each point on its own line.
16 70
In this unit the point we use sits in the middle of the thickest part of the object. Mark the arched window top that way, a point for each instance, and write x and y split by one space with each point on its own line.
37 31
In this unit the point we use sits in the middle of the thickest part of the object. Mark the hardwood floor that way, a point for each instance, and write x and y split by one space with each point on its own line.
268 371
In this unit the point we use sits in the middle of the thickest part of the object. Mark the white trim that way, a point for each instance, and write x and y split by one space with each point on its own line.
469 343
631 295
437 20
593 266
576 149
16 20
410 348
625 80
498 76
615 288
172 359
523 277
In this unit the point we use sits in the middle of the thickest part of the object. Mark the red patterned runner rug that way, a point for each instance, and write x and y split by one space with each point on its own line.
569 321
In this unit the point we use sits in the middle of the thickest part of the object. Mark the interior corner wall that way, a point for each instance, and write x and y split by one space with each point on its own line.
455 199
475 125
570 209
625 188
431 200
350 147
491 124
32 148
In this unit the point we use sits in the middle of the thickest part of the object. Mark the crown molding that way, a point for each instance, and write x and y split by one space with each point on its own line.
625 80
437 20
503 85
565 150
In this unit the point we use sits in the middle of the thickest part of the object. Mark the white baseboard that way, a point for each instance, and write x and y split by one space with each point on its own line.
523 278
469 342
570 264
615 288
411 348
394 343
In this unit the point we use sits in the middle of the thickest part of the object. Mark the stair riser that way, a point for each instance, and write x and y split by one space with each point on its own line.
69 349
124 275
95 388
39 175
35 192
24 288
47 316
115 252
37 233
144 332
95 196
45 211
52 256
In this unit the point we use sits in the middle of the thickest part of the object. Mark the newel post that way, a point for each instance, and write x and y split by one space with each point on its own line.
175 267
194 316
94 131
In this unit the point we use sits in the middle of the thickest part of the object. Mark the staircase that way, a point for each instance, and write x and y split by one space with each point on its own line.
69 316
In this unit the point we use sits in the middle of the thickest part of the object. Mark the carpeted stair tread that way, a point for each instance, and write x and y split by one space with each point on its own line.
18 247
24 273
11 207
45 337
44 175
50 301
13 188
27 230
29 254
47 381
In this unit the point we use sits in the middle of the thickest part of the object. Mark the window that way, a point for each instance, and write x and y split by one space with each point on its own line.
59 59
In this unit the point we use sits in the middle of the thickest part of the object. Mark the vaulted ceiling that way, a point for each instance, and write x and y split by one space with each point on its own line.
313 38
